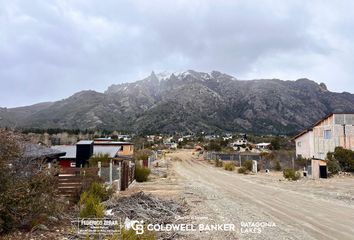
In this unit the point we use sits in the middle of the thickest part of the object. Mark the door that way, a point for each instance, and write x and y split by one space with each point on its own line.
323 171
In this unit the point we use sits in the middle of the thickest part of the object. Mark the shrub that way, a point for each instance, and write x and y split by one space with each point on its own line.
229 166
277 166
142 155
242 170
28 189
131 235
218 163
99 190
90 206
332 164
141 173
291 174
345 158
213 146
103 158
247 165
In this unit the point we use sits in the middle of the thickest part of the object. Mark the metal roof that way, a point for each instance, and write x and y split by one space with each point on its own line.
70 150
36 151
112 143
112 151
84 142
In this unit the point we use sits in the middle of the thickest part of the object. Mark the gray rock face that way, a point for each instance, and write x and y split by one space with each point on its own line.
189 102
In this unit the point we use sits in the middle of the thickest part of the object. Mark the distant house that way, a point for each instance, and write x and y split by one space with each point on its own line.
263 146
171 145
125 137
211 137
239 142
334 130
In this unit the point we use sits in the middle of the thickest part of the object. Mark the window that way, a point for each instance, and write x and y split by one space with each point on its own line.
327 134
299 144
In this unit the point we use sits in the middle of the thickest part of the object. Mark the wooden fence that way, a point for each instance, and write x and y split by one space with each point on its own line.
71 180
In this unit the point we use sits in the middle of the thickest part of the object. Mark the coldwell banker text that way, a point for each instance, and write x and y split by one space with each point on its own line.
138 227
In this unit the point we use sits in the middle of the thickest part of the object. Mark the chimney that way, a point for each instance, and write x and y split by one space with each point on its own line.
84 150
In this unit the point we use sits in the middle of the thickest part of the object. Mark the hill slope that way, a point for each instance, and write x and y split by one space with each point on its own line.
190 101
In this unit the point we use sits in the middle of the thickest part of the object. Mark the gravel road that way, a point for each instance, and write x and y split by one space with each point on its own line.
258 211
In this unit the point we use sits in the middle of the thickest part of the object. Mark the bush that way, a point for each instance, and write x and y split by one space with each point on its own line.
345 158
332 164
90 206
291 174
229 166
131 235
103 158
277 166
242 170
99 190
213 146
28 189
141 173
248 165
218 163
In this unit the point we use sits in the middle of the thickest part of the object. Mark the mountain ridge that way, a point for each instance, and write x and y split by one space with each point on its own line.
189 101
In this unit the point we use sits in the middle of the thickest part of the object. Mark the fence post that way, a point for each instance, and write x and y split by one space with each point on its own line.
99 169
120 176
110 172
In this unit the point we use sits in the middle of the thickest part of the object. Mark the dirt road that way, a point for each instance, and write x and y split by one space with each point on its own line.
218 196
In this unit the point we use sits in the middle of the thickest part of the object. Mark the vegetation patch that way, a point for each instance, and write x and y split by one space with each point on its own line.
218 163
229 166
291 174
141 173
242 170
247 165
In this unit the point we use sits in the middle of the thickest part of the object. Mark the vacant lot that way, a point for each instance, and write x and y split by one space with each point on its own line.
294 210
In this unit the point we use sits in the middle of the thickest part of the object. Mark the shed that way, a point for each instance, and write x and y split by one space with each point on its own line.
318 168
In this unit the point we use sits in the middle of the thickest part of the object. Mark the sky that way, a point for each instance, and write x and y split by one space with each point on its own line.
52 49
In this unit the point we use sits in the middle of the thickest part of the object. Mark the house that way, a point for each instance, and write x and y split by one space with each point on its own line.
334 130
79 154
171 145
239 142
125 137
127 148
263 146
33 151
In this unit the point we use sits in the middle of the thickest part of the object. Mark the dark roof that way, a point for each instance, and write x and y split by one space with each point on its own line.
36 151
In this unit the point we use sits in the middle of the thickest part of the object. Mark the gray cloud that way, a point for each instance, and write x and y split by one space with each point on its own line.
51 49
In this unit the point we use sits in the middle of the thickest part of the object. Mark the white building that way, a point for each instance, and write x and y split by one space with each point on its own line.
335 130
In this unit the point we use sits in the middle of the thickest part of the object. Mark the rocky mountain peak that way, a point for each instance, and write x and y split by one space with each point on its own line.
190 101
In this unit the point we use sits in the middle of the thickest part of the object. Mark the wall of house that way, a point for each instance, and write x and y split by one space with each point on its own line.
342 134
304 145
127 150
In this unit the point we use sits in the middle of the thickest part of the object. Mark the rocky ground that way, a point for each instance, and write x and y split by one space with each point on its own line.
305 209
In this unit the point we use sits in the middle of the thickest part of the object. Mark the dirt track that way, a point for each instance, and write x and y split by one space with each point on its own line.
219 196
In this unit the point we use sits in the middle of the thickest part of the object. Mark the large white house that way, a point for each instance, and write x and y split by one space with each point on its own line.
336 129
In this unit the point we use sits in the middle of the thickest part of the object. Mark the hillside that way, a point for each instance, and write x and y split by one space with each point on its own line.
189 102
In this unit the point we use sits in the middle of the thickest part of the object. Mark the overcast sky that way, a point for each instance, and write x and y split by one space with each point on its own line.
52 49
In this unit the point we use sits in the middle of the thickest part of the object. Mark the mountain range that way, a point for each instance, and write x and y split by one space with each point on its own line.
190 102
